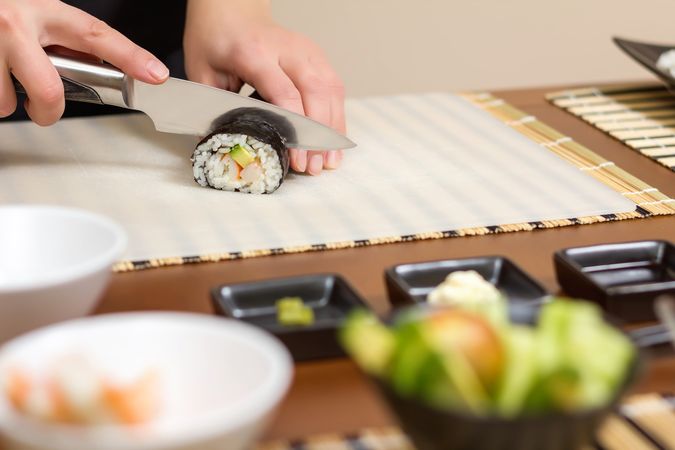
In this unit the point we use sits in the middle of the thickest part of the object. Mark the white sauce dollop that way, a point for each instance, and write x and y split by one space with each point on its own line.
462 287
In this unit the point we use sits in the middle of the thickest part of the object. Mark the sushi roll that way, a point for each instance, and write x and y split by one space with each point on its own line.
244 154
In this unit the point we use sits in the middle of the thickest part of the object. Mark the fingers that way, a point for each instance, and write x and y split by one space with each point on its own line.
7 95
77 30
275 86
337 121
316 104
31 66
220 80
323 100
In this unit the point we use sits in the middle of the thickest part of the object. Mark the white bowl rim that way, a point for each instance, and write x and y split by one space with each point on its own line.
74 271
202 428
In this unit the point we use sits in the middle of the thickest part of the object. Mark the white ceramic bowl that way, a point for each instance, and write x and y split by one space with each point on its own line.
54 264
220 380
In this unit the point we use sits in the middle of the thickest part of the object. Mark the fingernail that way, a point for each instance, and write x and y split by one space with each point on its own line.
332 160
315 164
157 70
301 160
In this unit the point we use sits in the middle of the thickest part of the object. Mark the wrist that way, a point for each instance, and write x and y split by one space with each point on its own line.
228 9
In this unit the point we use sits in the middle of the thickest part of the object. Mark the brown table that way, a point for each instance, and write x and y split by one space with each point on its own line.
330 396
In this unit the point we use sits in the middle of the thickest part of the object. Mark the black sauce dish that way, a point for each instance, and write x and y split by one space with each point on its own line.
623 278
409 284
329 295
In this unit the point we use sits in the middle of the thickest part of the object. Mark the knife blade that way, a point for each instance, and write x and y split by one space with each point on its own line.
184 107
647 55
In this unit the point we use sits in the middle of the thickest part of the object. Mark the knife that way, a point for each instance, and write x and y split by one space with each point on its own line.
184 107
647 55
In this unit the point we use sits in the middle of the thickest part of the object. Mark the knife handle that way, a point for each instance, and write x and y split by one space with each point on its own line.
72 90
89 82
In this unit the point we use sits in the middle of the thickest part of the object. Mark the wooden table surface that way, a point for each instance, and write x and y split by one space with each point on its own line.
330 396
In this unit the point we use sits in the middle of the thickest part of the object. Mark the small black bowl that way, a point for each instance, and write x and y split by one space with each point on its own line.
329 295
431 428
411 283
624 278
435 429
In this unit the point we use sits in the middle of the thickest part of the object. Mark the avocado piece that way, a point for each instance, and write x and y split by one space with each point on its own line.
520 371
368 341
289 304
292 311
302 316
241 156
411 357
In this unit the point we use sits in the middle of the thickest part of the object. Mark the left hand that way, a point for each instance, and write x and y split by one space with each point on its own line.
231 42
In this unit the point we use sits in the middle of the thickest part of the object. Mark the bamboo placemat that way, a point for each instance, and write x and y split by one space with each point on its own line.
648 200
429 166
642 117
643 422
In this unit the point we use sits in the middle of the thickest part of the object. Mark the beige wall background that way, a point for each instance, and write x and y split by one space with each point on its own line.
392 46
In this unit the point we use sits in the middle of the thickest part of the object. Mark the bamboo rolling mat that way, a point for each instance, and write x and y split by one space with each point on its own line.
427 167
643 422
642 117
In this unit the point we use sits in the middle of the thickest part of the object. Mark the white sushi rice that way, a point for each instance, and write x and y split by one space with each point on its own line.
211 169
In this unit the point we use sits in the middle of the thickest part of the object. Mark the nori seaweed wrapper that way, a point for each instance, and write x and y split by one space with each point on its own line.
256 127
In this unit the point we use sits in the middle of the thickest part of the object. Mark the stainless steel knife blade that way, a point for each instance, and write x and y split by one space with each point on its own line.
184 107
180 106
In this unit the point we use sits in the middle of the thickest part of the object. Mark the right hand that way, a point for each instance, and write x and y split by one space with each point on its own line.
27 26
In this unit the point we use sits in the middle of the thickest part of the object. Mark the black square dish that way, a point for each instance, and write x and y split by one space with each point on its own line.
623 278
330 297
411 283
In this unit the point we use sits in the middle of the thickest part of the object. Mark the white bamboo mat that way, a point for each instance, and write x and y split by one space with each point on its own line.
425 164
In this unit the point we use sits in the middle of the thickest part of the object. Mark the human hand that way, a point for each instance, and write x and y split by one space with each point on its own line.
231 42
28 26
